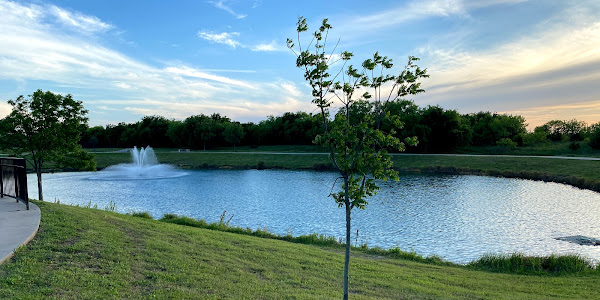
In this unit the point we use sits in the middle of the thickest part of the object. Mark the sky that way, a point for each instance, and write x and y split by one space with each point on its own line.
129 59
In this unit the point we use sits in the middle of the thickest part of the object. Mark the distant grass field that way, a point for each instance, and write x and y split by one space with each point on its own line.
551 148
580 173
84 253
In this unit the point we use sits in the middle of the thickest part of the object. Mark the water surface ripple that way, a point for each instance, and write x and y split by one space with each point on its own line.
456 217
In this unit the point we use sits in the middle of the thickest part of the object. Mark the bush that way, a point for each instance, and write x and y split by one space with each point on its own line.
144 215
520 264
506 142
574 146
595 138
535 138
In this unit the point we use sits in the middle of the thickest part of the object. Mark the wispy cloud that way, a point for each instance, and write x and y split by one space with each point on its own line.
79 21
34 47
226 38
230 39
270 47
190 72
221 4
554 63
390 18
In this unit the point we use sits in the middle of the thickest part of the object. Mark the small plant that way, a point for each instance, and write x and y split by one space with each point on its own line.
110 207
260 165
144 215
222 219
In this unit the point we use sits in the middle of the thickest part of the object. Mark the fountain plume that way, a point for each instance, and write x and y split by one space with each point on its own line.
144 165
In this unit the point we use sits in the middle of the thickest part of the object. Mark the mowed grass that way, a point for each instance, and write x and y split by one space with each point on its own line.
550 169
82 253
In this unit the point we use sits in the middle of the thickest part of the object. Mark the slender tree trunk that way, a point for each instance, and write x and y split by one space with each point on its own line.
204 144
347 258
38 172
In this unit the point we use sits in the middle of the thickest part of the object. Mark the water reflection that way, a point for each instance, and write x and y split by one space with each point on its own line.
459 218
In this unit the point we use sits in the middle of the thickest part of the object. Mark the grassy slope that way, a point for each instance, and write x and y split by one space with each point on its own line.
86 253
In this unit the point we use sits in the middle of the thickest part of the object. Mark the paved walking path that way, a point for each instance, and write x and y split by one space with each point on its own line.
17 225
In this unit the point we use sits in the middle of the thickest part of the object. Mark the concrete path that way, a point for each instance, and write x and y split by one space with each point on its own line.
17 225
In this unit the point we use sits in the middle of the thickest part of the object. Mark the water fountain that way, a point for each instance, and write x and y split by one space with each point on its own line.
144 166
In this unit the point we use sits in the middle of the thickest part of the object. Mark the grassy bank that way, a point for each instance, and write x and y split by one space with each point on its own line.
579 173
85 253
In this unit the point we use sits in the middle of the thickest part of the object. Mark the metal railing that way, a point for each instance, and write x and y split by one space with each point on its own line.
13 179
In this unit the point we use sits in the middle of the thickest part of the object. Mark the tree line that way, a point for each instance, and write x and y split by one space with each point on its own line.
437 130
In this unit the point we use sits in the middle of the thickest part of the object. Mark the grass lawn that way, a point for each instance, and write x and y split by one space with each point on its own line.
551 148
82 253
579 173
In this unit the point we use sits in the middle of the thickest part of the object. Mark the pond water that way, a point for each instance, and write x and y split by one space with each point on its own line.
459 218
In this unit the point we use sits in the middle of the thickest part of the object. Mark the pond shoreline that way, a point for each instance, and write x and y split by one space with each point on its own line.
493 169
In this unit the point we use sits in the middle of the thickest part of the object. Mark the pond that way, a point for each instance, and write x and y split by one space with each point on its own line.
459 218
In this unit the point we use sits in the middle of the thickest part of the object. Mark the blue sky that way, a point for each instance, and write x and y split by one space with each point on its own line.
127 59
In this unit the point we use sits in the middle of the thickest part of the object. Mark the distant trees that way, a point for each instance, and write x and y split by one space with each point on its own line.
438 130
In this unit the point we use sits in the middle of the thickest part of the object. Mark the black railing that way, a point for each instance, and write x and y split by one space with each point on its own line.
13 179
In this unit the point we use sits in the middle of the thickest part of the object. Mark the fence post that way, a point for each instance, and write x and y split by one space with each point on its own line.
16 173
23 193
1 182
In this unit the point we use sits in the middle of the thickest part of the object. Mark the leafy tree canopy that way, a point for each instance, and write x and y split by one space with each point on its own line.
46 128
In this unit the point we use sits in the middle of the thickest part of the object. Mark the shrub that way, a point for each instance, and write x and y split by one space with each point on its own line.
574 146
144 215
595 138
518 263
506 142
535 138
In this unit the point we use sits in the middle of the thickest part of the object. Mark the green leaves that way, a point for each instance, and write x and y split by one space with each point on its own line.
48 127
358 146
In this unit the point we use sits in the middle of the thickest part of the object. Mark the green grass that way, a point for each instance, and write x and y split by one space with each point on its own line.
549 149
520 264
82 253
579 173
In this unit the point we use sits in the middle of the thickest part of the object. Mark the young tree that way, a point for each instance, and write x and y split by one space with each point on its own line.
357 144
47 127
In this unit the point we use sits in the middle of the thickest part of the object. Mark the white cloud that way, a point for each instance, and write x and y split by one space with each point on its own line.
5 109
226 38
190 72
271 47
79 21
554 49
221 5
541 74
391 17
31 48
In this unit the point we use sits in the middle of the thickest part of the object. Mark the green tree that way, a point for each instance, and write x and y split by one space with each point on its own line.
47 127
357 144
233 133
